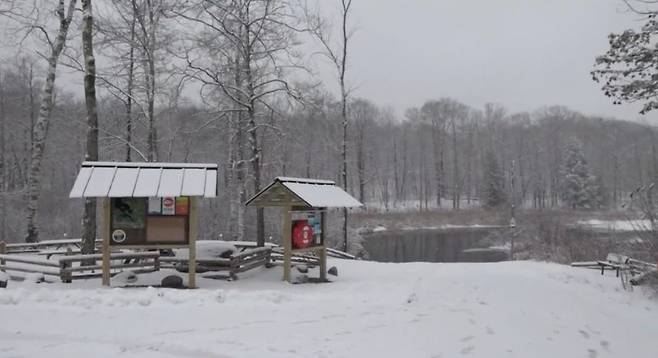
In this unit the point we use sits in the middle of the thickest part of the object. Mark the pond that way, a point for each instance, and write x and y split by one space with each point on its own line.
463 244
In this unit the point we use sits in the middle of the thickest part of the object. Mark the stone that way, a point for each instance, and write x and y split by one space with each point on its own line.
126 277
333 271
172 281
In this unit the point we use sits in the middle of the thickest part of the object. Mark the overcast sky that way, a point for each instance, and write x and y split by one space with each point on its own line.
523 54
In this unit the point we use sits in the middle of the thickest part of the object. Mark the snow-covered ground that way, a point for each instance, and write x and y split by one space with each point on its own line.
618 225
512 309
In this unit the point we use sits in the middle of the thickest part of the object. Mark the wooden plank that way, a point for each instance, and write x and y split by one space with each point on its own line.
29 270
251 266
193 227
105 235
29 260
113 256
113 267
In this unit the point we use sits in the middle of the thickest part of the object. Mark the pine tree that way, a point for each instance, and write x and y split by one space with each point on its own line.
578 187
494 194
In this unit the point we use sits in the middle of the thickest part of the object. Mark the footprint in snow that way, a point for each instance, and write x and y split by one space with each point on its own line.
467 338
490 331
467 350
605 345
583 333
592 353
412 298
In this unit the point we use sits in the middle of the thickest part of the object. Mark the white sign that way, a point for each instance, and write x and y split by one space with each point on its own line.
119 236
168 205
155 205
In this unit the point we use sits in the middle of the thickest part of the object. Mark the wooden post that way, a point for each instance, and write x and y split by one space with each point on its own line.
3 250
286 240
191 260
323 251
105 235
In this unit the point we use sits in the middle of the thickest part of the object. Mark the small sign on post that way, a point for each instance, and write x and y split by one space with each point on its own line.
303 202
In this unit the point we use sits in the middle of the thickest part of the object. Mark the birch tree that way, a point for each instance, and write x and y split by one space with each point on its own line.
89 215
64 15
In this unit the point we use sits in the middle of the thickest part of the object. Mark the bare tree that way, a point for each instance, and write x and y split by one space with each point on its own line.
64 15
89 215
242 56
338 56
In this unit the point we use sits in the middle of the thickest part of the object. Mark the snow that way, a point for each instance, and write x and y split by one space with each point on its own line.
513 309
618 225
100 179
379 228
450 226
305 180
208 250
322 196
124 182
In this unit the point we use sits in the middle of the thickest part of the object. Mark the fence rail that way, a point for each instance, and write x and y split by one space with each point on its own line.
235 264
70 267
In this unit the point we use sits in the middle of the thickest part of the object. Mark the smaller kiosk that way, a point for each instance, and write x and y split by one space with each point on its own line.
304 203
147 205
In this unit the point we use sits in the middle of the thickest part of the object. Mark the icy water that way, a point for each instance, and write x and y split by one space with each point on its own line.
433 245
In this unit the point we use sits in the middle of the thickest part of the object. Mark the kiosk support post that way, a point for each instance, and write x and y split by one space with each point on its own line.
287 242
191 281
105 235
323 252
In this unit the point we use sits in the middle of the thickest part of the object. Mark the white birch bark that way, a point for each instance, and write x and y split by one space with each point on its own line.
41 124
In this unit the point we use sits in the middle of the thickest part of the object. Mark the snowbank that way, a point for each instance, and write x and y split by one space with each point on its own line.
513 309
618 225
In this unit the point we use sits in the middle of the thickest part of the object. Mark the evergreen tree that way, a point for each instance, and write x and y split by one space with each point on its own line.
494 194
579 189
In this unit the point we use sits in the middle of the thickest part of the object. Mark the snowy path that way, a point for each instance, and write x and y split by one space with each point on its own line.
519 309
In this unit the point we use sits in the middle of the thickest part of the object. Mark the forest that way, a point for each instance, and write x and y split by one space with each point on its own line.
230 82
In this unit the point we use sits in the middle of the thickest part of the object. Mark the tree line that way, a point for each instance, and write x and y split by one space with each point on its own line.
230 82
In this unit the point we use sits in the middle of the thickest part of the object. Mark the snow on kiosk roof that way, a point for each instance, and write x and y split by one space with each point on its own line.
284 191
131 179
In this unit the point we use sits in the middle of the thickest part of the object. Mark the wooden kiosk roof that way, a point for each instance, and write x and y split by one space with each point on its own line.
131 179
284 191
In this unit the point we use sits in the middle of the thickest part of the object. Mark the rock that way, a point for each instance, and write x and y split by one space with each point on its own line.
333 271
172 281
302 268
126 277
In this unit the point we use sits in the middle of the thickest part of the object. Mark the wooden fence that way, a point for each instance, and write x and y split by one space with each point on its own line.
235 264
69 268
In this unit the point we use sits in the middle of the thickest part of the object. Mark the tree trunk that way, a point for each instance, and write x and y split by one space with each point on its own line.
129 90
3 150
89 216
41 124
455 170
